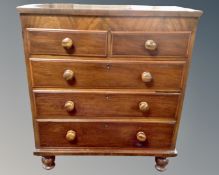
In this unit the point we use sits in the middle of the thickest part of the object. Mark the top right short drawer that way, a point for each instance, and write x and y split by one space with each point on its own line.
147 44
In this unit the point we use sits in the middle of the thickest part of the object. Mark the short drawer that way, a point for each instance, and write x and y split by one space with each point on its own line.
107 74
67 42
104 103
147 44
104 134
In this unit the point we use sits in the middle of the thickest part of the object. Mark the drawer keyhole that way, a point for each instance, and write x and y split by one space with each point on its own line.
108 66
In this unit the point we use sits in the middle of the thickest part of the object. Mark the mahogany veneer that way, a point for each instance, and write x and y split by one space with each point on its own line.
114 134
50 104
107 74
132 43
107 79
96 42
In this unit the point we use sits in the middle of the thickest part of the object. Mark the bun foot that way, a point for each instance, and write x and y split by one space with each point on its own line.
161 163
48 162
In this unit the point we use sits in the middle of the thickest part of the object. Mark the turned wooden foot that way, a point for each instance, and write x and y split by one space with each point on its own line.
161 163
48 162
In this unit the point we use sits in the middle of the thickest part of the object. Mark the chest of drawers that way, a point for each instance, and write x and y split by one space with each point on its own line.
107 80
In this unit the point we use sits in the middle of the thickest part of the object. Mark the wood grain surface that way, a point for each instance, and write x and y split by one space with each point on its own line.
104 134
133 43
108 10
109 151
50 104
85 43
117 23
107 74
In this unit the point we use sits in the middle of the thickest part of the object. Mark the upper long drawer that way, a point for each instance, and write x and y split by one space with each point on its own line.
143 44
74 73
67 42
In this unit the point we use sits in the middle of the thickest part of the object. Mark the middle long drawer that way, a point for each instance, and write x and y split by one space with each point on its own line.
104 103
73 73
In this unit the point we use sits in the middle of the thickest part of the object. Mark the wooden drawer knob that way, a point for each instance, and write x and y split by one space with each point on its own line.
141 136
146 77
150 45
69 106
67 43
143 106
68 75
70 136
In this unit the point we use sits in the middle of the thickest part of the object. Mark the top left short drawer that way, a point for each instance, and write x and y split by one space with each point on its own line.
67 42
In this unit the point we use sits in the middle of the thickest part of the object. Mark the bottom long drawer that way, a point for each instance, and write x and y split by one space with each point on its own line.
96 133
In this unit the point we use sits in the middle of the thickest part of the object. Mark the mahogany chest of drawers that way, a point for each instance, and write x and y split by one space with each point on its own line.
107 80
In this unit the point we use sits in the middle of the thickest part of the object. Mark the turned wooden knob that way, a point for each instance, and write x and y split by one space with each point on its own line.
151 45
68 75
146 77
141 136
143 106
67 43
70 136
69 106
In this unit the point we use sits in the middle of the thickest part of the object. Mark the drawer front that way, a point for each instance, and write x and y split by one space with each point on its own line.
104 134
57 104
67 42
107 74
150 44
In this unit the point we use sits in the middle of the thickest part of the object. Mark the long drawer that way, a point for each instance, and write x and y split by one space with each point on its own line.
104 134
104 103
107 74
